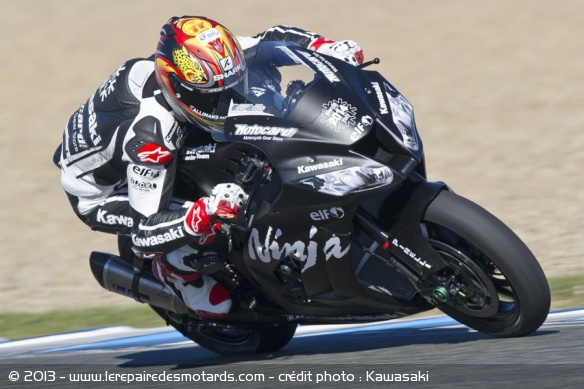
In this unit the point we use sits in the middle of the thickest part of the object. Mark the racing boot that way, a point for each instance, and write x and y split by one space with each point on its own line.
202 294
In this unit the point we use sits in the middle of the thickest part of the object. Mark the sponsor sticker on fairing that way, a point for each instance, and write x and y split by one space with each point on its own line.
338 114
403 117
350 180
257 132
327 214
383 109
272 245
303 169
359 130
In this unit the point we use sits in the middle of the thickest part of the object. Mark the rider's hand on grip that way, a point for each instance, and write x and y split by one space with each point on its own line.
225 200
346 50
223 203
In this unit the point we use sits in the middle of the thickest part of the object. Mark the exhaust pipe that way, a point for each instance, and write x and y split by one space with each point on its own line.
118 276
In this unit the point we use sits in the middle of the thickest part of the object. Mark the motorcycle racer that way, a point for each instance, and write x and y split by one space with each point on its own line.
120 149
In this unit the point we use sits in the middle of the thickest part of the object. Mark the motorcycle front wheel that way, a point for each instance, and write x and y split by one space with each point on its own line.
492 282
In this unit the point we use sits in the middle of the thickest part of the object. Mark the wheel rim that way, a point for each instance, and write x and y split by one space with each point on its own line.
475 294
482 290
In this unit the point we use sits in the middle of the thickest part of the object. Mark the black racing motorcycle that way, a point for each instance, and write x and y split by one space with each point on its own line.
342 225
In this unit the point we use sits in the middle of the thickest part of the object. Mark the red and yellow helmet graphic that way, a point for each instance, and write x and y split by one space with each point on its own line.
195 57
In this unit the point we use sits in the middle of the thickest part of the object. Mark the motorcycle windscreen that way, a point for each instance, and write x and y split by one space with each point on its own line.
274 85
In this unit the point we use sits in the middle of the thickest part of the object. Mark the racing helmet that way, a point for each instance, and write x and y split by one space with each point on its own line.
196 60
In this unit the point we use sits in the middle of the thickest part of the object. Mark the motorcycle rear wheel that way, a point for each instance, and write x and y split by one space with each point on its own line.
233 341
228 342
502 290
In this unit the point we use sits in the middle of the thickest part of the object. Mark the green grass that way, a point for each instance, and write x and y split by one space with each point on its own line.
25 325
566 292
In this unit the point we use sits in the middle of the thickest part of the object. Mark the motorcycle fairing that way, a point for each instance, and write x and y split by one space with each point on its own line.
323 130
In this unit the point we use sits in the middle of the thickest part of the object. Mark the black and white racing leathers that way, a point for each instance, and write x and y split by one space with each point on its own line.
120 150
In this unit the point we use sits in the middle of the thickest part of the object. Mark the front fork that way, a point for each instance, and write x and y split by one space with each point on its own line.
406 242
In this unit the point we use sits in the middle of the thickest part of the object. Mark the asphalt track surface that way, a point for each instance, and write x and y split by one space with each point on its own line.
433 352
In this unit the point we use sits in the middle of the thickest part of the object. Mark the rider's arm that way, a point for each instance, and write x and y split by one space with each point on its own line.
163 225
347 50
152 151
281 33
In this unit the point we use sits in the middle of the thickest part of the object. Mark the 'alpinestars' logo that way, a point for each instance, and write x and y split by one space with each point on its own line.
154 153
196 220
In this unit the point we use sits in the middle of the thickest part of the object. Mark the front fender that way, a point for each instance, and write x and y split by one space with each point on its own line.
397 226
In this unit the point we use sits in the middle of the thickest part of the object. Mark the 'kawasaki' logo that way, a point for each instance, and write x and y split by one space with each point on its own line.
246 129
172 234
319 166
382 105
103 217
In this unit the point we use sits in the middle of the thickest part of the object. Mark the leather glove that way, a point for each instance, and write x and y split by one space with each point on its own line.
223 202
346 50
